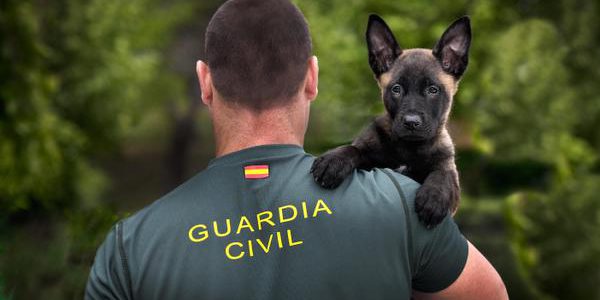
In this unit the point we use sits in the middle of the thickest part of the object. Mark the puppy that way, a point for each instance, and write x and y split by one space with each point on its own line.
417 88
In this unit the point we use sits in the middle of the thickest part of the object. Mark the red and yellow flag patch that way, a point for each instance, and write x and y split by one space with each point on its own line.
256 172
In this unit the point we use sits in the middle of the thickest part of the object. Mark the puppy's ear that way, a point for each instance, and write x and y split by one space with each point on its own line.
452 50
383 48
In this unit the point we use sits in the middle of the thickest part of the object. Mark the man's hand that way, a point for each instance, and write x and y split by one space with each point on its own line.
478 280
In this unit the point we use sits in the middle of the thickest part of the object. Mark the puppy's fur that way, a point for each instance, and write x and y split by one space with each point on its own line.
417 87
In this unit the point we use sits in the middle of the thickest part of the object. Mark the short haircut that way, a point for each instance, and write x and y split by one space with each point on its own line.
258 51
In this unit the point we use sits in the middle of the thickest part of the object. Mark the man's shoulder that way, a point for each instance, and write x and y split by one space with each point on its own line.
385 181
169 204
388 181
378 186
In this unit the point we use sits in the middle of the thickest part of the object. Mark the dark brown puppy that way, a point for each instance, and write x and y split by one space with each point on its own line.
417 87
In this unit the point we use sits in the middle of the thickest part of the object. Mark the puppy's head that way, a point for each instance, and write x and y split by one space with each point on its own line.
417 85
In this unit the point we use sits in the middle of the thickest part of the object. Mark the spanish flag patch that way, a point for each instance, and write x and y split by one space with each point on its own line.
256 172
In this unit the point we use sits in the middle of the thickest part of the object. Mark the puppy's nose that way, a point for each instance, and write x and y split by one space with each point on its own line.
412 122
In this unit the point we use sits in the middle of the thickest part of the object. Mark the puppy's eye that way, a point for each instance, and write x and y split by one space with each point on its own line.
396 89
432 90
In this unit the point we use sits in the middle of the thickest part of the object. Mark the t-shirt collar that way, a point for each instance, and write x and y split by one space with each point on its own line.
257 152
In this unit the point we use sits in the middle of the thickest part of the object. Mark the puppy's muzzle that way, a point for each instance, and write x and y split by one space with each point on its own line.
412 121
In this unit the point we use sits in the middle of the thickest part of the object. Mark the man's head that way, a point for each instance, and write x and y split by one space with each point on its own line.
259 76
258 52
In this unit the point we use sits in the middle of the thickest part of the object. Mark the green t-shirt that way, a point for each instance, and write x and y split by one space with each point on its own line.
254 225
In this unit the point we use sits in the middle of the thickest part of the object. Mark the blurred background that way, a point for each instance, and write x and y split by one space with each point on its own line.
100 115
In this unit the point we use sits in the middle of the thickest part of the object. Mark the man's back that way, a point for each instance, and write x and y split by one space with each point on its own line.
254 225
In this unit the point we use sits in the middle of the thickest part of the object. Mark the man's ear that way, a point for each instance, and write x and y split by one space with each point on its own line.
311 86
382 45
206 85
452 50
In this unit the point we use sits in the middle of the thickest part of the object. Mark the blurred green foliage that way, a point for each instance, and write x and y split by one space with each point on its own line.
52 257
75 77
556 238
2 295
526 91
78 79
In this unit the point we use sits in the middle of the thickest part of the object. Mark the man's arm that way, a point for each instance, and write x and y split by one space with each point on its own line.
108 277
445 264
478 280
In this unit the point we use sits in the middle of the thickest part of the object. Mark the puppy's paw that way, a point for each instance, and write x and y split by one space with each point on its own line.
432 204
330 169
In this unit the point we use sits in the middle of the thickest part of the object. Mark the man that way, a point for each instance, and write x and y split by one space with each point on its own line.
254 225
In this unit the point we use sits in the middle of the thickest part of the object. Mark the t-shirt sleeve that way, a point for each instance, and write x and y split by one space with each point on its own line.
439 254
107 278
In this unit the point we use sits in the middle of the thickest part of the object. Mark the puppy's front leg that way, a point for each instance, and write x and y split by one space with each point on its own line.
366 152
439 194
330 169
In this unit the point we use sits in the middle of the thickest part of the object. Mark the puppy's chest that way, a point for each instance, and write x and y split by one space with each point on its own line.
419 158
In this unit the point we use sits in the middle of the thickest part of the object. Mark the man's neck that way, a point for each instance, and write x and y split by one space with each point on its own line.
244 129
252 140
